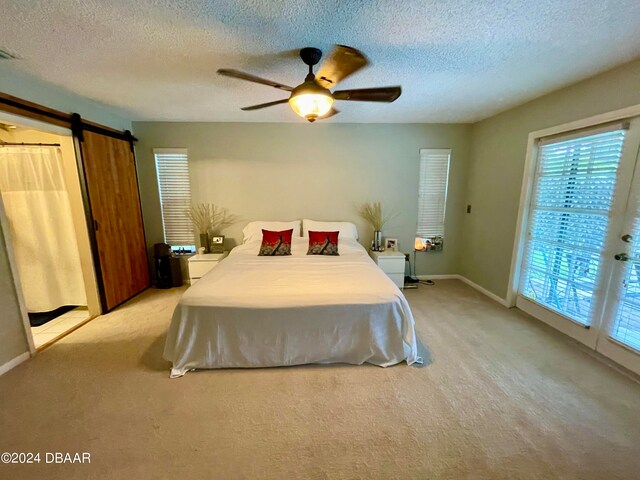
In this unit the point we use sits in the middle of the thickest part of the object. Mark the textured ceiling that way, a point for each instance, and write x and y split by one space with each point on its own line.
457 61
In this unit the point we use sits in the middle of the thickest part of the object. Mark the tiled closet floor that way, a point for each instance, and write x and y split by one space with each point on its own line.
58 326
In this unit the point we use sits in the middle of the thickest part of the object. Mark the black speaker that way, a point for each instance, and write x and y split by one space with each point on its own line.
161 250
168 272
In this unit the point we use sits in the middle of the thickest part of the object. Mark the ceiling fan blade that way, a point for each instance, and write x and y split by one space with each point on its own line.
341 62
252 78
265 105
381 94
330 113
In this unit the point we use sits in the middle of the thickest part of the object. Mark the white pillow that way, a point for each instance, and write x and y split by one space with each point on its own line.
346 229
253 231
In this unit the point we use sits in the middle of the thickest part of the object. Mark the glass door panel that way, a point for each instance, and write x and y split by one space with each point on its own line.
569 220
620 336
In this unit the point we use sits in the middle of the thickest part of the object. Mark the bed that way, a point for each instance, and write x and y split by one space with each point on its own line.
252 311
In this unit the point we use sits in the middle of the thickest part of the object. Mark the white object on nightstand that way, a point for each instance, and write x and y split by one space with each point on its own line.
391 263
201 264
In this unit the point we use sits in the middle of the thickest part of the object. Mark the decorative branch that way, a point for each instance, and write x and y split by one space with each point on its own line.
207 218
221 219
372 213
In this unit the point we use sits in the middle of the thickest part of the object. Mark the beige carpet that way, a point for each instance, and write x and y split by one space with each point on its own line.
505 397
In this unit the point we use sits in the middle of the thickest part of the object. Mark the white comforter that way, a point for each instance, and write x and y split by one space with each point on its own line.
252 311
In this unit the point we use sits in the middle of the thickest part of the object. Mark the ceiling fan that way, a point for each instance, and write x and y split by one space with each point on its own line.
312 99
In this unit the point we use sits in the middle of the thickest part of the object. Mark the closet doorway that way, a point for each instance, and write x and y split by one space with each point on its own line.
45 228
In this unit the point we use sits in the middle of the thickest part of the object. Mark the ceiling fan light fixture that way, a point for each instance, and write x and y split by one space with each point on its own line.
311 101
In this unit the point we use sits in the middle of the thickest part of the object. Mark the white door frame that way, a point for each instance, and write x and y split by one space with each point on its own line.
13 268
607 345
529 176
48 128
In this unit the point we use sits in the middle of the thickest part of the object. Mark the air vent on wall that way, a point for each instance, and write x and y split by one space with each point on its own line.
7 55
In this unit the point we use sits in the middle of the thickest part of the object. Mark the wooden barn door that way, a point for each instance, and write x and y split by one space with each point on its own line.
114 202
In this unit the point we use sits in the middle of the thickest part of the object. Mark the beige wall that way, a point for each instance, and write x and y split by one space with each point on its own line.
319 171
496 166
30 88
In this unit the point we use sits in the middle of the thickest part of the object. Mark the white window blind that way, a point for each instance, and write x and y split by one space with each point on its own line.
432 191
172 166
568 220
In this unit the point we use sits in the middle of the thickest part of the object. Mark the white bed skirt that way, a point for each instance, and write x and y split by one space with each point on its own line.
250 338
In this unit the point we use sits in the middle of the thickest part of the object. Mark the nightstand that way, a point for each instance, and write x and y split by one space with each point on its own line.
201 264
391 263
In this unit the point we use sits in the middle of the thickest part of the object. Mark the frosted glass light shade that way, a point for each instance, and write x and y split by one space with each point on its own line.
311 105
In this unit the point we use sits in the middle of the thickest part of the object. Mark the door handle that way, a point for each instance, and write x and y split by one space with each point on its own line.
621 257
96 225
626 238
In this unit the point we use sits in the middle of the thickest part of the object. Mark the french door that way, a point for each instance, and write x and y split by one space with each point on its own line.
580 269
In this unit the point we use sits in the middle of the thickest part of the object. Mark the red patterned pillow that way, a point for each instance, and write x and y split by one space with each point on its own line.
276 243
323 243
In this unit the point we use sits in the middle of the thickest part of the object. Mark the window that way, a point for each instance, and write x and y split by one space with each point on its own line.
432 198
569 219
172 166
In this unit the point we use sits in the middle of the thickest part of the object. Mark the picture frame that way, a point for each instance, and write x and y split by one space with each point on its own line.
391 244
217 243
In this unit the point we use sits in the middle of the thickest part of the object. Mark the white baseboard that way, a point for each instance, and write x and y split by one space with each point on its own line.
14 362
455 276
486 292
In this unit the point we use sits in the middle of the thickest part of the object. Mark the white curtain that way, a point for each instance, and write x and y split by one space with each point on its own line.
42 232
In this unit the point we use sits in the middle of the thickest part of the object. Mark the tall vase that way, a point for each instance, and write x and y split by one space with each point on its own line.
377 241
205 242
